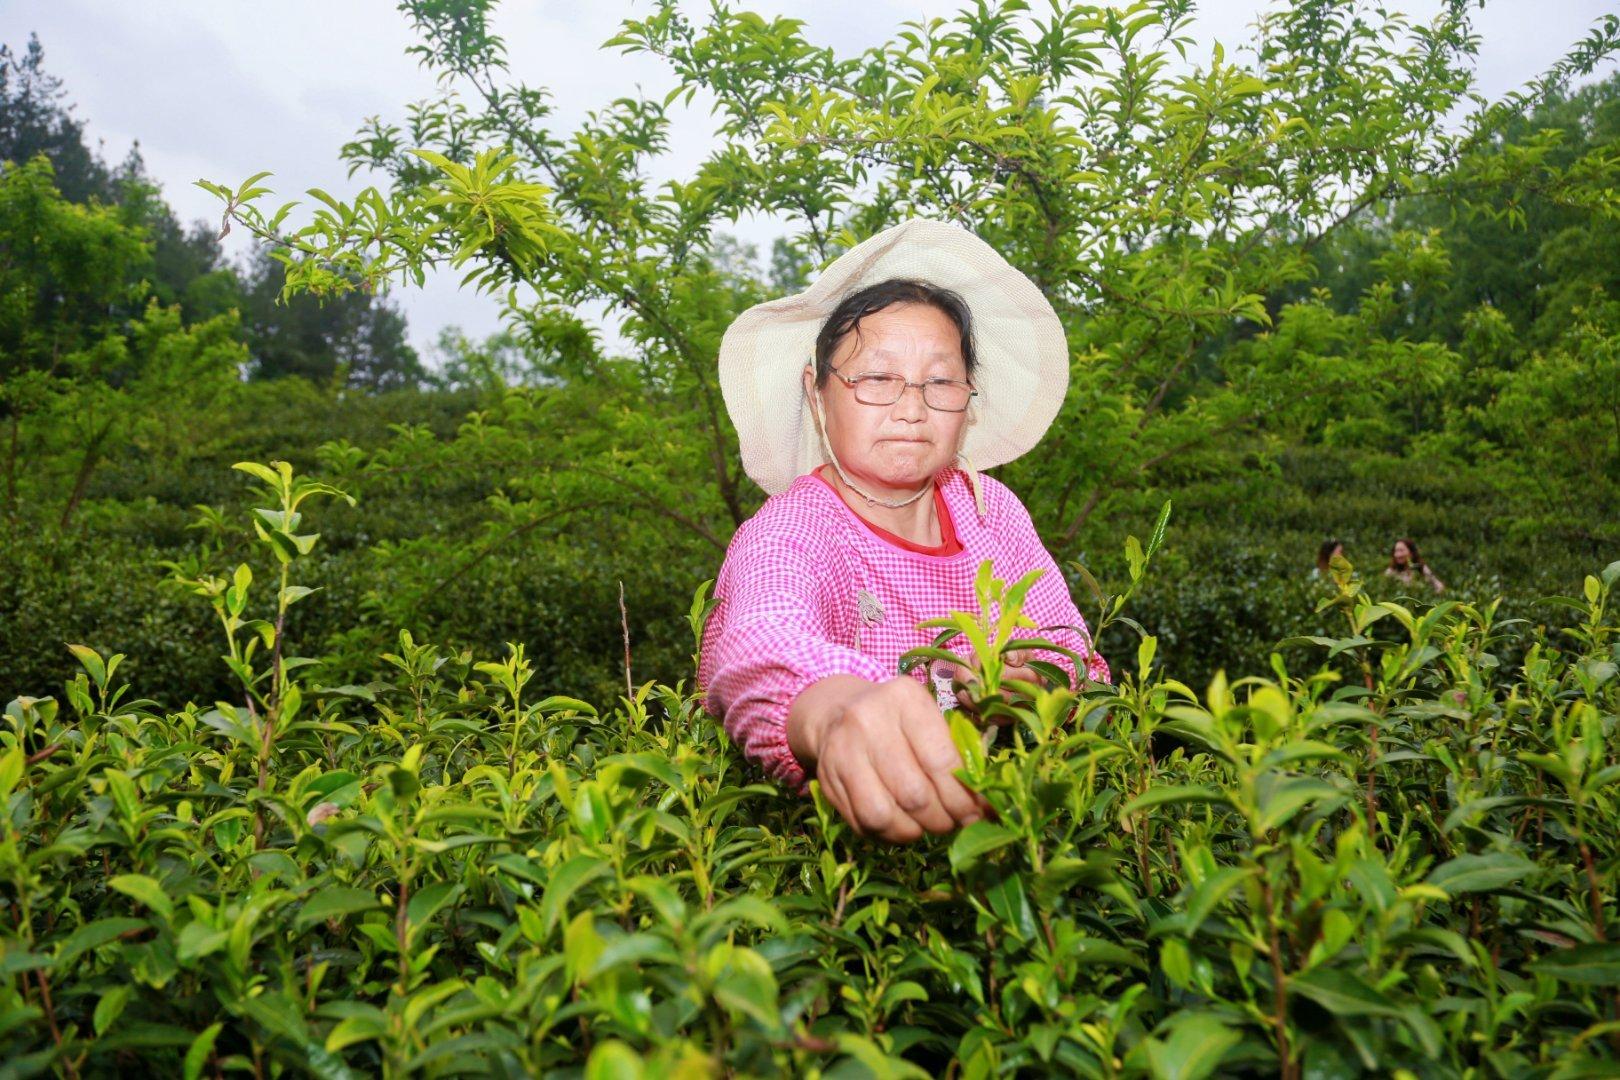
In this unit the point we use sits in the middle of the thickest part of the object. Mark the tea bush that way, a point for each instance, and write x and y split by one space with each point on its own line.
1229 611
455 543
1392 853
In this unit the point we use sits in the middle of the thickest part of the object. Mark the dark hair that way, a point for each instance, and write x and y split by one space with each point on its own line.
870 300
1325 552
1414 561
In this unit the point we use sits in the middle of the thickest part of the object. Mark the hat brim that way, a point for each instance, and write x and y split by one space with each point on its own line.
1022 372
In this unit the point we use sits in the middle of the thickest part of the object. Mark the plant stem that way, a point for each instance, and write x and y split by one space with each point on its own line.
281 622
11 465
1279 985
624 622
1595 891
92 457
402 926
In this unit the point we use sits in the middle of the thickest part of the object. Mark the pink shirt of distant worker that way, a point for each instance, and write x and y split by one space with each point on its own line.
791 613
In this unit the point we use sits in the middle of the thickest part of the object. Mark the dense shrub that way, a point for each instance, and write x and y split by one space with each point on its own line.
1228 608
1391 854
446 547
57 587
424 550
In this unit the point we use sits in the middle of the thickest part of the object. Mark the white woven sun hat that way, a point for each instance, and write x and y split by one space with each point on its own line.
1023 357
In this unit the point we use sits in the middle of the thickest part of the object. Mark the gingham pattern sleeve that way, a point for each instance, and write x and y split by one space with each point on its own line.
772 636
1048 601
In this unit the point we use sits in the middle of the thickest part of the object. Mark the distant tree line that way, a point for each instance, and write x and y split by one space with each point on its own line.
355 341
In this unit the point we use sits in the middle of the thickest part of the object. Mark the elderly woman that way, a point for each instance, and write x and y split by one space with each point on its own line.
860 406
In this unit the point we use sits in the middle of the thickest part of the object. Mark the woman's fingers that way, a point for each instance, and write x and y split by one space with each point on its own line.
888 766
920 775
832 785
929 741
907 753
911 788
871 810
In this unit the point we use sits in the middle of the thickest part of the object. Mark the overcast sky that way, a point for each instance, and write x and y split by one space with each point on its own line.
220 89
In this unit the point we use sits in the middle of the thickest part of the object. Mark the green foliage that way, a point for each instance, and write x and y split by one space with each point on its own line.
451 542
35 120
1295 303
63 268
447 869
1172 206
355 341
86 280
449 550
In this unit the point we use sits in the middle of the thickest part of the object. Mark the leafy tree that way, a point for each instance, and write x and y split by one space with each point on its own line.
65 269
1169 211
35 118
74 366
1519 282
352 339
501 360
356 341
1503 235
1554 429
145 385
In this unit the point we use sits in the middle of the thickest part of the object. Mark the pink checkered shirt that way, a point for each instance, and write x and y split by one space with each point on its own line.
792 609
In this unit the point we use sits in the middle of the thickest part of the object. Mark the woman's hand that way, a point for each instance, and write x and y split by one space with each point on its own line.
884 756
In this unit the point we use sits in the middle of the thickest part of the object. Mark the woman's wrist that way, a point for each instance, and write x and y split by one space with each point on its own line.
814 711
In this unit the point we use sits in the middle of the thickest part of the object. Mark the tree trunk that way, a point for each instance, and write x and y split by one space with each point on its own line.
11 464
92 458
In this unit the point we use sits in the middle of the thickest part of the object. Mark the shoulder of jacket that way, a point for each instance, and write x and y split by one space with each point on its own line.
799 518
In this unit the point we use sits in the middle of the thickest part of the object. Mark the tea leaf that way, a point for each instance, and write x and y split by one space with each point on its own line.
109 1008
1480 873
1197 1044
976 841
1342 993
1171 795
335 903
1594 964
565 881
614 1060
357 1029
146 890
92 936
198 1052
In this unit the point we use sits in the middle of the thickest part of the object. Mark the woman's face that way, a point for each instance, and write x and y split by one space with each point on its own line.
897 446
1403 554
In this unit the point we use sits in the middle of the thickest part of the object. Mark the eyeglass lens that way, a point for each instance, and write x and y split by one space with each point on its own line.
881 389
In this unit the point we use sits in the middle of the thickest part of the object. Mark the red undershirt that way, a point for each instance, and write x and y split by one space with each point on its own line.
948 545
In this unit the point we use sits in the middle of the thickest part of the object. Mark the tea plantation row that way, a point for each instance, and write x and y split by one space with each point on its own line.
1392 854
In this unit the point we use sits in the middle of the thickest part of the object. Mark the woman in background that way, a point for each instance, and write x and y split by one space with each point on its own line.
1405 564
1324 555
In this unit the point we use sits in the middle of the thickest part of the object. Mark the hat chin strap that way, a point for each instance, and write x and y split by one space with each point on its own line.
973 483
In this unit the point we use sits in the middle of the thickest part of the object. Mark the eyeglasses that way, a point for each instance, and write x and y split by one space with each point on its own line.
885 388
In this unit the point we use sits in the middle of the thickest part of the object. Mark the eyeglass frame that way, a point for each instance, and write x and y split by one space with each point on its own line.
922 387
